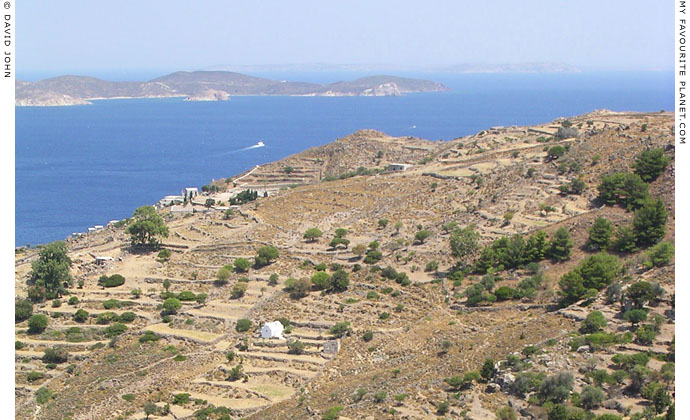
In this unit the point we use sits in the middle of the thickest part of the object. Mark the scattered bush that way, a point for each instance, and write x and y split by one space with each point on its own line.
37 324
600 234
23 309
594 322
112 281
115 329
242 265
238 290
265 256
661 254
296 347
312 234
243 325
111 304
171 306
556 388
55 355
127 317
80 316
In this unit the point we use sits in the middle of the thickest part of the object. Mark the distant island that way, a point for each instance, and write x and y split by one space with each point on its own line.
205 86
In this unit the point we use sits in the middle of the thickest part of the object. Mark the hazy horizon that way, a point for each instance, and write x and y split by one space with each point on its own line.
164 36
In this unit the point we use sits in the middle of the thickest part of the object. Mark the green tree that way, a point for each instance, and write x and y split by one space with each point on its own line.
571 287
147 227
312 234
37 324
640 293
599 270
650 163
556 151
600 234
265 256
150 408
488 370
238 290
561 245
661 254
594 322
383 223
243 325
464 242
635 316
81 316
242 265
591 397
625 241
340 280
422 236
51 269
623 188
172 305
649 222
321 281
537 246
23 308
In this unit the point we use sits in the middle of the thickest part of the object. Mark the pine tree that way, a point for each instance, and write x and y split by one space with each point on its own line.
649 222
561 245
600 234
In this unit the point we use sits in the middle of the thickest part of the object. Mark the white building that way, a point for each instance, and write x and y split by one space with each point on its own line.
272 330
190 192
395 167
171 199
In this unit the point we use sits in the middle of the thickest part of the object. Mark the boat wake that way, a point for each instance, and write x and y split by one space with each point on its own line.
253 146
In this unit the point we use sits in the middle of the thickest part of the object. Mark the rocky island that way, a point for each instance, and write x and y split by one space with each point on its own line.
205 85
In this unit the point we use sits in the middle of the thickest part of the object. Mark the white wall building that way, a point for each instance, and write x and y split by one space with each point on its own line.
272 330
394 167
190 192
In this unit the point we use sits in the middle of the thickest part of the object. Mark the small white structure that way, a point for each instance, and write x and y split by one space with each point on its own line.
98 227
190 192
395 167
112 222
272 330
171 199
103 260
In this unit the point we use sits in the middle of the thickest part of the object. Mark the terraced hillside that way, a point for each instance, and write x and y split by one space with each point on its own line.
391 310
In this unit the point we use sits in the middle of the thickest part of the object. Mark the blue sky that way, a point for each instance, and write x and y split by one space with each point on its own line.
159 36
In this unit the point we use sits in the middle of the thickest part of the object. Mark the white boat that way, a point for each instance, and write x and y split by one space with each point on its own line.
259 144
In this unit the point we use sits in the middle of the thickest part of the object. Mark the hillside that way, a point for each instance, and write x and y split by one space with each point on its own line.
77 90
416 334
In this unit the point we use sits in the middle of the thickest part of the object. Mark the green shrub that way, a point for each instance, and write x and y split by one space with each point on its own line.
243 325
43 395
128 397
340 329
312 234
34 376
242 265
164 255
80 316
181 399
625 241
368 336
661 254
506 413
115 329
23 309
235 373
332 413
222 276
296 347
106 318
73 300
111 304
504 293
591 397
55 355
112 281
265 256
37 324
171 306
149 336
594 322
380 396
238 290
556 388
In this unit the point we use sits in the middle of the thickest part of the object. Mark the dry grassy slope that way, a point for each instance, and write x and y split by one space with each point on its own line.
430 195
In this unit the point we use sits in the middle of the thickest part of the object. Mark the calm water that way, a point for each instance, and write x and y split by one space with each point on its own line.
85 165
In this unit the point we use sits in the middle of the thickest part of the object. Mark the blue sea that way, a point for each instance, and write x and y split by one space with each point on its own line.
81 166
